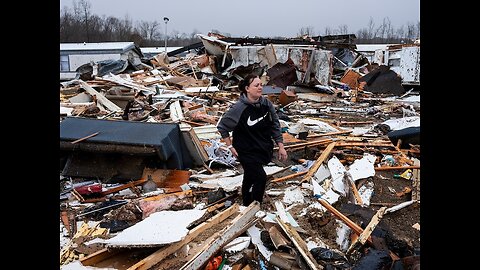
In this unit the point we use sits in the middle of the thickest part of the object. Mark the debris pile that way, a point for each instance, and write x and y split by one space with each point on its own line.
146 182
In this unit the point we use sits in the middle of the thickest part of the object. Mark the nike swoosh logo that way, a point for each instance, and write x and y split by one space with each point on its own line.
251 123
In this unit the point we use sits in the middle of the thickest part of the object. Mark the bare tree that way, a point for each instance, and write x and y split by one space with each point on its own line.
194 33
81 25
370 28
418 29
67 21
410 35
343 29
362 34
82 8
400 33
149 30
328 31
124 29
306 31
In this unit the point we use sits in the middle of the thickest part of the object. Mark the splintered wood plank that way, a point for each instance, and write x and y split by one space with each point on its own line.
319 162
101 98
290 176
358 199
368 230
366 144
328 134
386 168
162 253
86 137
319 142
299 244
354 226
124 186
238 225
99 256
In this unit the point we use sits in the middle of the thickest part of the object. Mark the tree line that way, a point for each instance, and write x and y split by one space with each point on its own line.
80 25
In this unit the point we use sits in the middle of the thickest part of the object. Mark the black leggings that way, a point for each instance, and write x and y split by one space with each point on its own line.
254 181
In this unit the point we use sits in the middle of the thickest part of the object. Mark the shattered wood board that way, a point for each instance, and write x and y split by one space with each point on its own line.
161 254
159 228
237 226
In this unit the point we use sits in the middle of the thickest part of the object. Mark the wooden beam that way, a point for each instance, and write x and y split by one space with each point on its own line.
325 141
100 98
84 138
299 244
360 241
357 229
366 144
124 186
313 169
358 199
387 168
164 252
405 158
98 256
238 225
329 134
289 176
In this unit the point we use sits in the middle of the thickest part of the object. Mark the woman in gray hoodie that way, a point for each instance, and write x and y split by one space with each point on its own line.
254 124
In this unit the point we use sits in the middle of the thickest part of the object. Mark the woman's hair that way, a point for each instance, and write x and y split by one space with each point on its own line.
242 85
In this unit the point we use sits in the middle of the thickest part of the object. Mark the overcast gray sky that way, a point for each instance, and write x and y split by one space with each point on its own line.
263 18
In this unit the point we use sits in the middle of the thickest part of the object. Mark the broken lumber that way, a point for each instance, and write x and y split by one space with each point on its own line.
318 162
84 138
354 226
293 175
329 134
124 186
385 168
366 144
305 144
237 226
100 98
360 241
164 252
299 244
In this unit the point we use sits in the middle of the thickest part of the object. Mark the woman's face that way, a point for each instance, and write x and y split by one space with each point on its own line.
254 90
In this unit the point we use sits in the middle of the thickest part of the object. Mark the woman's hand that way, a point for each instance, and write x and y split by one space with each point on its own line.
234 152
282 153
